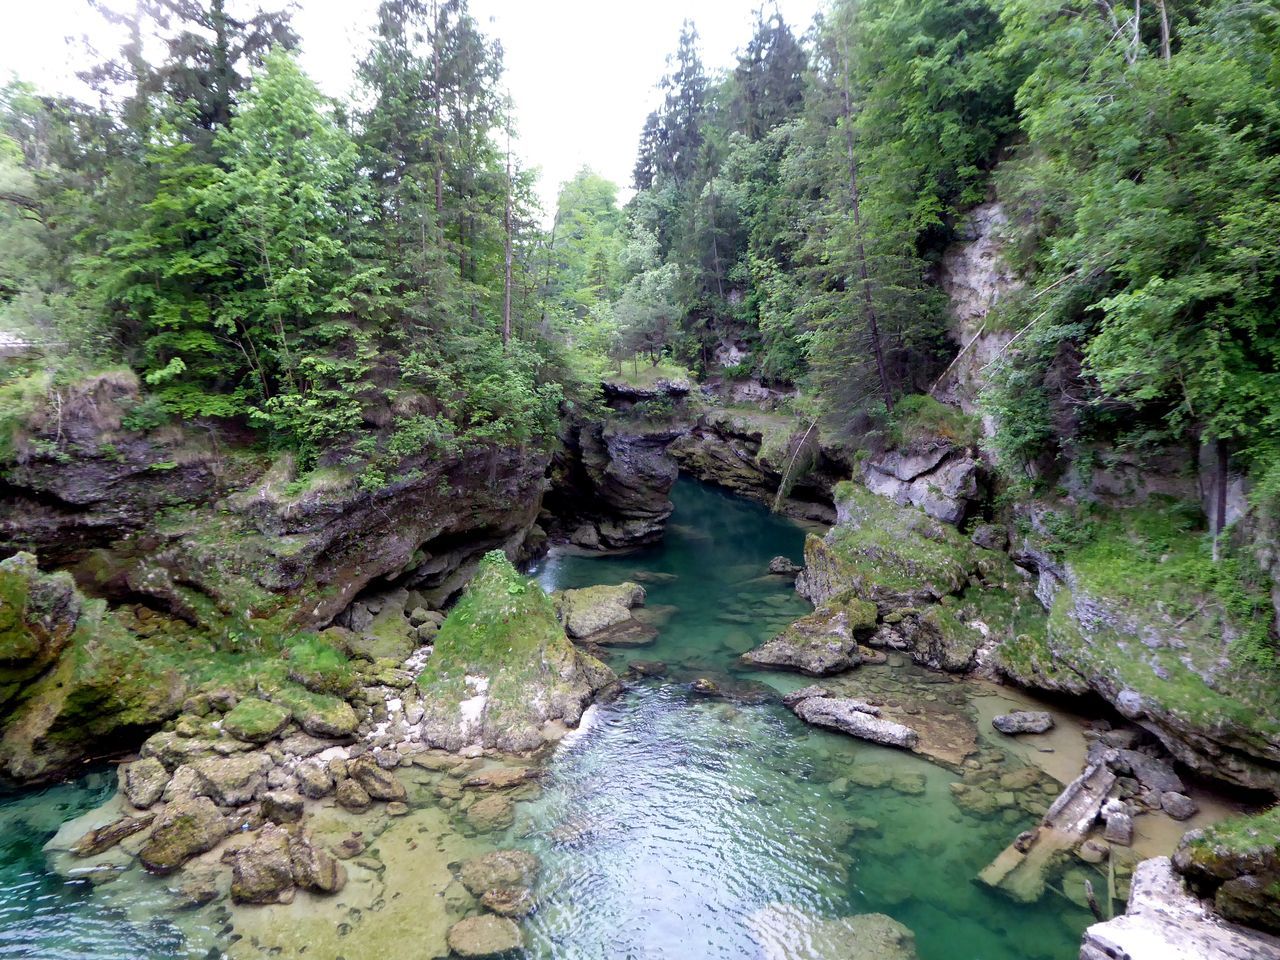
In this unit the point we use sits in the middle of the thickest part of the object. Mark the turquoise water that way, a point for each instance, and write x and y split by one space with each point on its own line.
684 826
42 916
676 825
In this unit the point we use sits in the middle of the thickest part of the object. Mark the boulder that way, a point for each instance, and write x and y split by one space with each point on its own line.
314 779
325 716
1164 921
378 783
592 610
851 717
822 643
484 936
351 796
262 871
784 566
495 812
1152 772
787 933
499 870
256 721
1236 862
1023 721
144 781
232 781
1119 829
1178 805
186 828
313 868
282 806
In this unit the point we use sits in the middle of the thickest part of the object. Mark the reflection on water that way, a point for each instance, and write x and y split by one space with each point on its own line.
681 826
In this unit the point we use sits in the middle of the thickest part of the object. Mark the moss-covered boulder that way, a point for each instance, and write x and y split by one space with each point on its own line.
255 721
886 554
502 666
591 610
185 829
1237 863
79 683
824 642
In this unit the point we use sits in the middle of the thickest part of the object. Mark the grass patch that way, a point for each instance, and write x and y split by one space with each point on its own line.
921 417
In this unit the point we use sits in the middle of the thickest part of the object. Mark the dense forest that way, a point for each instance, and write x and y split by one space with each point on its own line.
357 280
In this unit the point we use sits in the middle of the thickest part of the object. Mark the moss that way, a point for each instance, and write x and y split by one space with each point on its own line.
921 417
1251 835
884 549
255 720
320 666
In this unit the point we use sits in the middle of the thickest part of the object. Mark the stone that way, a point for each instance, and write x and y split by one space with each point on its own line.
256 721
144 781
1119 829
232 781
850 716
262 871
822 643
327 717
500 778
592 610
378 783
196 887
1023 721
494 812
351 796
1091 851
784 932
314 779
282 806
313 868
1178 805
783 566
186 828
1152 772
990 536
484 936
499 870
104 838
1163 921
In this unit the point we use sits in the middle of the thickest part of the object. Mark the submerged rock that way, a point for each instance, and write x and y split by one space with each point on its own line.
378 783
786 933
784 566
852 717
484 937
1023 721
104 838
503 880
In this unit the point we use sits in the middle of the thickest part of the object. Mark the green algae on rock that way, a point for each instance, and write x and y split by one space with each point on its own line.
502 666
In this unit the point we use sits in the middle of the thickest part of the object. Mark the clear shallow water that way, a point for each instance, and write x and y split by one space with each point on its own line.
680 826
42 916
676 826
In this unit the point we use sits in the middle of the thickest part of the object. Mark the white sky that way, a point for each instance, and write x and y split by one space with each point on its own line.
581 72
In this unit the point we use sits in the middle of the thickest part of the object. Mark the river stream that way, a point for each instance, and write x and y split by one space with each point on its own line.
674 824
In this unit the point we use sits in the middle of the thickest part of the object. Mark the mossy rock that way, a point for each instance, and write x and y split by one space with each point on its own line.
885 554
503 633
1237 863
256 721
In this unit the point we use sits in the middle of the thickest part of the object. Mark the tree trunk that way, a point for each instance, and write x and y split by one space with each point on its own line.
864 274
506 254
1165 52
439 132
1220 496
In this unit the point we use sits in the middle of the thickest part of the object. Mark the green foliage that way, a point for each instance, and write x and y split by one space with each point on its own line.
921 417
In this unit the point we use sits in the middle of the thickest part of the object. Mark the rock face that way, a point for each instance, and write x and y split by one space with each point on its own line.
502 667
750 452
1163 922
1023 721
1237 863
941 479
1111 636
785 933
73 681
822 643
610 483
854 718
